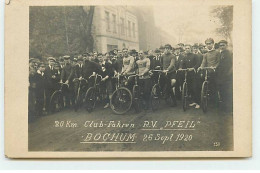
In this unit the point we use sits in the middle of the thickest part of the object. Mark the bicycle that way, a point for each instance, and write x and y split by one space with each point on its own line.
204 95
157 91
137 94
93 93
121 99
184 92
79 93
56 101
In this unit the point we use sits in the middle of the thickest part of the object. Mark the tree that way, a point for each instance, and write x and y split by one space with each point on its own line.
56 31
224 14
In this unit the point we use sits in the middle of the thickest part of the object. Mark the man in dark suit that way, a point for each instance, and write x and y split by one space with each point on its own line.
40 81
180 76
224 77
78 73
67 76
50 81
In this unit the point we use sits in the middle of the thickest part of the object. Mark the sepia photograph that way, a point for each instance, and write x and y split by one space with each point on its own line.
130 78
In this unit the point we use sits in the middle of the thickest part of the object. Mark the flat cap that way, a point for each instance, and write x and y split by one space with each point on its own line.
51 59
222 41
66 57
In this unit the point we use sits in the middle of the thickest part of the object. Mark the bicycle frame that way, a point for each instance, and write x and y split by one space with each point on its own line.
95 80
206 72
61 87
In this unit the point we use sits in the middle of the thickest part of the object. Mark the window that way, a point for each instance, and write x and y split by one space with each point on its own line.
129 28
133 28
107 21
122 26
114 23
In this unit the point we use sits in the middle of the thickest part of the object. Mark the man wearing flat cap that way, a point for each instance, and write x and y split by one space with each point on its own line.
67 76
211 59
40 80
50 81
32 86
224 76
179 76
156 60
169 67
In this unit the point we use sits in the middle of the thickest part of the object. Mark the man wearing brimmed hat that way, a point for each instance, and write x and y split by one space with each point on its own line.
224 76
67 76
168 66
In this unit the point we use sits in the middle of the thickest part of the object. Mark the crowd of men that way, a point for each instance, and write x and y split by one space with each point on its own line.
45 78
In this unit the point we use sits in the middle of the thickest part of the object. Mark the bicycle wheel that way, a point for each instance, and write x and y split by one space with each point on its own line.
77 100
155 97
56 102
204 96
121 100
136 98
90 99
184 96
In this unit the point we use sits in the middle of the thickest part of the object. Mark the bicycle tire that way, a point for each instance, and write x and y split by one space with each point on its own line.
56 102
155 97
118 98
90 99
77 100
184 96
204 96
136 98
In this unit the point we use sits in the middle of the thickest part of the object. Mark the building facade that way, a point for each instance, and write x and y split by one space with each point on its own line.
114 27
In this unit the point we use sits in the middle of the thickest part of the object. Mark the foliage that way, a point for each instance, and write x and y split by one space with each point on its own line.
56 31
225 16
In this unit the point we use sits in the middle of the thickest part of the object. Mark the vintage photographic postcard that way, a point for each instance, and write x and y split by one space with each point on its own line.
127 79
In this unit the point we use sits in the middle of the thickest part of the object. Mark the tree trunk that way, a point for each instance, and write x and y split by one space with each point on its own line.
66 29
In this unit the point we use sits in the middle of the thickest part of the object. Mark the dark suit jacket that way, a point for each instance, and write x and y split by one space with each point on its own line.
155 61
67 73
179 62
107 70
78 71
40 85
90 67
50 82
225 68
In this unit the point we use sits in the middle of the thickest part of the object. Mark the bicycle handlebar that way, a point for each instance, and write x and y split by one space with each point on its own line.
186 69
95 75
62 83
80 79
207 68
